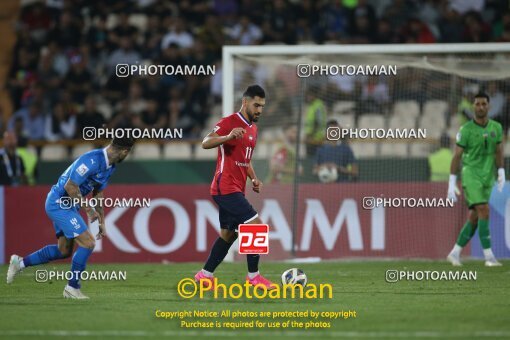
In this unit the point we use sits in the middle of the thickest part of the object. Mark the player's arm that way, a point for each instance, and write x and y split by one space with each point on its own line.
73 190
500 159
500 164
453 191
98 193
213 140
455 165
257 184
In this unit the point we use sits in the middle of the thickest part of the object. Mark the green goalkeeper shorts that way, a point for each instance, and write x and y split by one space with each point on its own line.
476 192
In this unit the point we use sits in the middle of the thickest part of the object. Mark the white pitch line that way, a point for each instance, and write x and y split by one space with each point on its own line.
263 333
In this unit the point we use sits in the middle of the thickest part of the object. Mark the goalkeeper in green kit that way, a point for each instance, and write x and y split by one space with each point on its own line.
479 145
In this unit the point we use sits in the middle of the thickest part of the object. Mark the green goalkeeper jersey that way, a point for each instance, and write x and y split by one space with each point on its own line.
479 156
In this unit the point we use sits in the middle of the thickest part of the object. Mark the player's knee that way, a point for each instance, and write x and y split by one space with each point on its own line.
65 251
86 240
228 235
90 243
483 211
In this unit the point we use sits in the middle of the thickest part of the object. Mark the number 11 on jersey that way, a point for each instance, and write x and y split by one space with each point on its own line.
249 151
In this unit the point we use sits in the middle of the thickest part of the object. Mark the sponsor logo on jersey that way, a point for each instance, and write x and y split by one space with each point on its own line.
82 170
242 164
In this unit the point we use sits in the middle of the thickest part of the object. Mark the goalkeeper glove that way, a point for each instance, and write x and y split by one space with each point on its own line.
453 190
501 179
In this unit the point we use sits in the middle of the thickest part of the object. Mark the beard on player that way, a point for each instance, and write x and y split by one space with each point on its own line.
254 117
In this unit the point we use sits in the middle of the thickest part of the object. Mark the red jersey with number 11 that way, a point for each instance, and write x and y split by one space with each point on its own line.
234 156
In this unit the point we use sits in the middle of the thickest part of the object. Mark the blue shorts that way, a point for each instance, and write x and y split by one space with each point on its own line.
67 222
234 210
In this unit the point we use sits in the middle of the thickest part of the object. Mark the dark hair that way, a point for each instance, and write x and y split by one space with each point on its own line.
332 122
254 91
123 143
483 95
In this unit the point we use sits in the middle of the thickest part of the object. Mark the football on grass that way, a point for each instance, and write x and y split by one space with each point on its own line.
294 276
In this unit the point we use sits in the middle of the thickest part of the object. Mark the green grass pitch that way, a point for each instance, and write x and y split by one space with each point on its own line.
126 309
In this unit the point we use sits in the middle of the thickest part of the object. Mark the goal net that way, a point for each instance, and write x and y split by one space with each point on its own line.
425 93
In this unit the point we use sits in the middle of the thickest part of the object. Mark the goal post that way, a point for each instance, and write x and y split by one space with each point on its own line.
431 90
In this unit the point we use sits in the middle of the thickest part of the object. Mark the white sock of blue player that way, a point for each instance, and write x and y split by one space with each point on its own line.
43 255
80 257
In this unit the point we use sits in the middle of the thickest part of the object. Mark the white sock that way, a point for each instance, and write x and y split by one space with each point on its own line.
456 250
489 255
252 275
21 264
206 273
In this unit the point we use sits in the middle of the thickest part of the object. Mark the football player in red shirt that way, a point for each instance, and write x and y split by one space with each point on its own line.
236 137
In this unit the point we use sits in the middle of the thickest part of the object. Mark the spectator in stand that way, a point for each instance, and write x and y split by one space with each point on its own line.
22 75
61 124
363 9
399 12
172 56
501 31
151 117
79 80
135 99
12 169
37 20
333 21
122 118
178 35
33 121
125 54
279 23
211 35
450 26
90 117
151 47
246 32
416 32
49 79
97 38
67 32
175 108
361 31
385 33
123 29
475 30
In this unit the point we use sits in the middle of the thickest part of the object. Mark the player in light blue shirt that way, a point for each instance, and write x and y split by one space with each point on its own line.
89 173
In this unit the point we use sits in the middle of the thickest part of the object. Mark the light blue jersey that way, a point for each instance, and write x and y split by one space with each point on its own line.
90 171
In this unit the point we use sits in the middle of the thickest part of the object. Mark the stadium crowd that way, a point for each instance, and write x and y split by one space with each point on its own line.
63 72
